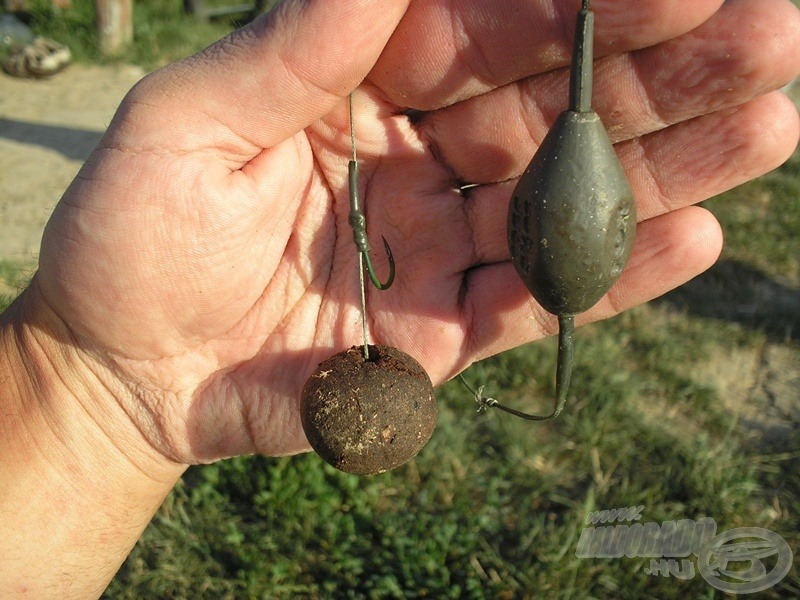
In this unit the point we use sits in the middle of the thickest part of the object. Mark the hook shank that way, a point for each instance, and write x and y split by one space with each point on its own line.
358 223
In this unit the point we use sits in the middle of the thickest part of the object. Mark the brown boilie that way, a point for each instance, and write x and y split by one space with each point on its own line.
368 415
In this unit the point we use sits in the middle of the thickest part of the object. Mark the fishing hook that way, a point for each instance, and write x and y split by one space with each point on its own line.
358 221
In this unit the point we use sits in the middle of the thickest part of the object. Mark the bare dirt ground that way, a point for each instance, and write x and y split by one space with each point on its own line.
48 128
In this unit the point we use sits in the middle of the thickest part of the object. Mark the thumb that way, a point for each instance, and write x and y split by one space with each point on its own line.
263 83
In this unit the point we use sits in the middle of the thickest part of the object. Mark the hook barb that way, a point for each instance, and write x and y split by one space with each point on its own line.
371 272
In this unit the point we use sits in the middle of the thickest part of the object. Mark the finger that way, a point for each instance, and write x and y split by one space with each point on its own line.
443 51
748 48
681 165
265 82
695 160
669 251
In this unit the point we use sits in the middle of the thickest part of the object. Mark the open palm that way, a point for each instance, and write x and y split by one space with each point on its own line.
203 257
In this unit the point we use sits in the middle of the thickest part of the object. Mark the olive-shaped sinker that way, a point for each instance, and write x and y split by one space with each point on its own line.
572 216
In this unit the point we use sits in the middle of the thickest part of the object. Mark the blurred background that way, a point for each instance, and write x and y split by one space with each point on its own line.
688 406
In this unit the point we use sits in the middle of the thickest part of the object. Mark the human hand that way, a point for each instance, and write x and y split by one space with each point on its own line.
202 259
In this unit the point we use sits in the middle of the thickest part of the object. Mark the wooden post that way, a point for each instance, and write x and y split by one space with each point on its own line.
114 25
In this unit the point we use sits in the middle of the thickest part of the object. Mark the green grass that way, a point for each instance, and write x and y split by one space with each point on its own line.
493 506
753 234
162 32
14 276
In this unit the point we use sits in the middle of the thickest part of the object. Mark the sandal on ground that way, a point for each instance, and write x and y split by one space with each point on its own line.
41 58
